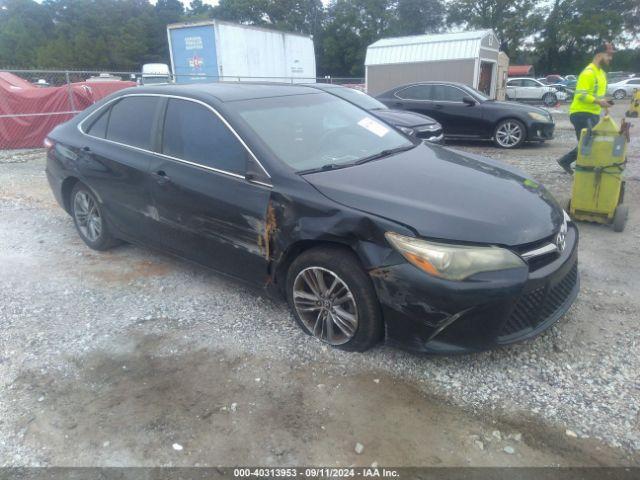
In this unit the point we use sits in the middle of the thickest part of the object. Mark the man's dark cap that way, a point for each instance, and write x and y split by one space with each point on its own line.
605 47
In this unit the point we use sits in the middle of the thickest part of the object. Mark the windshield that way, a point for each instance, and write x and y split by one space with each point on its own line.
481 95
314 130
358 98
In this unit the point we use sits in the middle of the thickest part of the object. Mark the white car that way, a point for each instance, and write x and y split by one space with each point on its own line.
530 90
622 88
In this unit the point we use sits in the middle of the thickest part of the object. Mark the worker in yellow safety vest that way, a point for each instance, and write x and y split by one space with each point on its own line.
588 98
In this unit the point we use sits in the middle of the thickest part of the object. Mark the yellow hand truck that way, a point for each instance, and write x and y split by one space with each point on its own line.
598 185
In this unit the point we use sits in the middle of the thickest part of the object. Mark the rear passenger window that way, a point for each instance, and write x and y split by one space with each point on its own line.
131 121
99 126
194 133
416 92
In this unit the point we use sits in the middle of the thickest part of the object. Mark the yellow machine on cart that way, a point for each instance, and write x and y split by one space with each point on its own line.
598 187
634 108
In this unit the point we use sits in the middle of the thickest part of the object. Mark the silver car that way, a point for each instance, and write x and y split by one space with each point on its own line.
622 88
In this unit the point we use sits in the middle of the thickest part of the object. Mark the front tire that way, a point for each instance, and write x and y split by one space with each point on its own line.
619 94
549 99
509 133
333 299
89 219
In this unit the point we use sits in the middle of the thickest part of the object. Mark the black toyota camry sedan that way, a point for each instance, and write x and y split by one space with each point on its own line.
466 113
369 235
411 123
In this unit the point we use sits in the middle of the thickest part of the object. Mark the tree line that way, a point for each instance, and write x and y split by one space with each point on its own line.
555 36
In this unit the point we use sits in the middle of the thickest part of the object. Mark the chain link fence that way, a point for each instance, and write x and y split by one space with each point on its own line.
33 102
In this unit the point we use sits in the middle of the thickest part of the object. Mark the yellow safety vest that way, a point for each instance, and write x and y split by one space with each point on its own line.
592 85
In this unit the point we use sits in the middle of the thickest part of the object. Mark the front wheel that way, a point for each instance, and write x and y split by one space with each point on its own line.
509 133
549 99
619 94
333 299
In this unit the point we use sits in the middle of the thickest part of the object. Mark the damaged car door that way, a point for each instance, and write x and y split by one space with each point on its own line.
206 209
114 158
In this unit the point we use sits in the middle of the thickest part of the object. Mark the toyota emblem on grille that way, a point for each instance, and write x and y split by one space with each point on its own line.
561 238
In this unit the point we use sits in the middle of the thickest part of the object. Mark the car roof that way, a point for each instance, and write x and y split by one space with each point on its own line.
322 86
228 91
431 82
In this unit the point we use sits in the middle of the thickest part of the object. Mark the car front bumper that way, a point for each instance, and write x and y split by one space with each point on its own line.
540 131
430 315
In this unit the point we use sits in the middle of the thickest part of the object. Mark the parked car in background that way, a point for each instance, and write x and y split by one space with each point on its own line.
571 78
623 88
466 113
153 73
555 79
531 90
410 123
362 229
564 90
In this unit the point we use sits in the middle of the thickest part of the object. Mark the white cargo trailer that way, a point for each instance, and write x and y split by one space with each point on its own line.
216 50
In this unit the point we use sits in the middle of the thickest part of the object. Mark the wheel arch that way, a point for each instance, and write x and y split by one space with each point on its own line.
66 189
281 267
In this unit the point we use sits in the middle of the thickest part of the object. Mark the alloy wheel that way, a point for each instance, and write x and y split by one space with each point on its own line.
619 94
87 216
509 134
325 304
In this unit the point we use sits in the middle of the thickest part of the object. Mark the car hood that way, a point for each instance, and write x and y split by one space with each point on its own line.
444 194
403 118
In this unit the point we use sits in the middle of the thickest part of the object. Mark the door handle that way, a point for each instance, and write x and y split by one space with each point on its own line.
86 149
161 177
398 104
439 107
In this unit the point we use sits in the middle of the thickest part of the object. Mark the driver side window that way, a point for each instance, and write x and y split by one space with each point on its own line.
194 133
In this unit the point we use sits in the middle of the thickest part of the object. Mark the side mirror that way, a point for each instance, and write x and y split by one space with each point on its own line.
468 100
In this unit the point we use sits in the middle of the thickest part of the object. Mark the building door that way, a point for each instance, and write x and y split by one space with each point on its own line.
484 80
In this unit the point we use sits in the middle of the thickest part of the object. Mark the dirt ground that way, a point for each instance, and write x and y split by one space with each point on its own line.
133 358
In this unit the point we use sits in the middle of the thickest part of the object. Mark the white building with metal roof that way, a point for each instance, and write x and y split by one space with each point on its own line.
465 57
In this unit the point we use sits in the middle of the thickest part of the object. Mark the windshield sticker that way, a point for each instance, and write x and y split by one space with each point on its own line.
374 127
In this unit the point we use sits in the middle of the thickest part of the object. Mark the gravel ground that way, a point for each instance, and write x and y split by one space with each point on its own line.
75 323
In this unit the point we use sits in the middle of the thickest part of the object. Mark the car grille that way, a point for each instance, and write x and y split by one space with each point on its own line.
536 307
536 263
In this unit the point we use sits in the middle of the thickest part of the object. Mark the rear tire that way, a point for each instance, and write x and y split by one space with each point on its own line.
345 314
619 94
620 218
88 217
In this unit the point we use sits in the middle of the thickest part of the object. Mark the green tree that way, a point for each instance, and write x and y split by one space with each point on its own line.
414 17
574 28
302 16
511 20
198 9
24 26
351 26
101 34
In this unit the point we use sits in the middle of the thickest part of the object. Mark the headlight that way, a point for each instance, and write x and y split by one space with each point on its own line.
406 130
452 262
539 117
